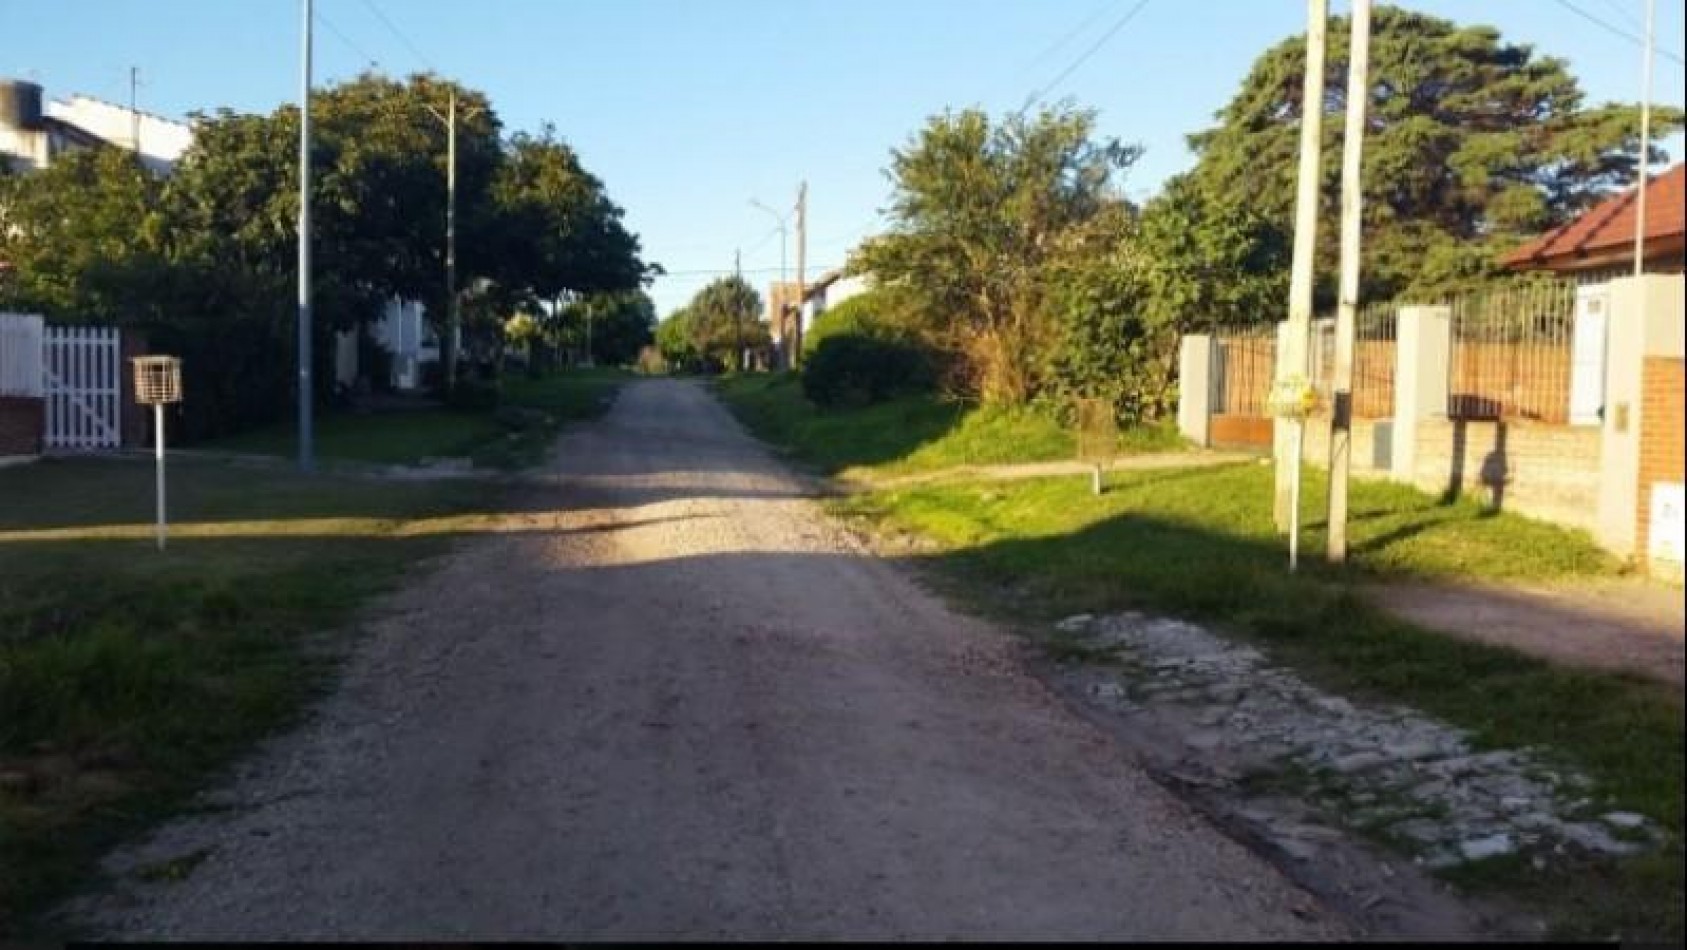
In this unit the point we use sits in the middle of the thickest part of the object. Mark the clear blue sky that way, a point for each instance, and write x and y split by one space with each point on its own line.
689 108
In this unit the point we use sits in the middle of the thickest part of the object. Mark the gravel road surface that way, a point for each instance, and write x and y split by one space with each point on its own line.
671 699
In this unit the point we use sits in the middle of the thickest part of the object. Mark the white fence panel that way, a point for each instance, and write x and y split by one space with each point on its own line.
20 355
84 386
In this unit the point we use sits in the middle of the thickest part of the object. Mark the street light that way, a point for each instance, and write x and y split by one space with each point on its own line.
449 120
782 219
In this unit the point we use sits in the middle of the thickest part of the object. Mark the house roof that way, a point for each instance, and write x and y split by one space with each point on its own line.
1605 234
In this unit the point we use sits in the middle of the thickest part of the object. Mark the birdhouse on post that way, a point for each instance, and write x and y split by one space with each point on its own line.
158 382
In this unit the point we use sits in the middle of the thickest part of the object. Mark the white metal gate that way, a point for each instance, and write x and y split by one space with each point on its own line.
82 370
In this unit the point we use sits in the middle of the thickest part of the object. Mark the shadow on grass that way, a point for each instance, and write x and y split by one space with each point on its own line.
1625 731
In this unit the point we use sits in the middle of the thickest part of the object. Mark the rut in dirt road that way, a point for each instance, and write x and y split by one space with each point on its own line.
672 700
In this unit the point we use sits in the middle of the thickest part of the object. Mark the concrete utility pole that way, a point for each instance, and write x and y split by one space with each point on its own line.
1645 143
1292 347
305 391
779 317
802 277
737 317
1352 197
451 244
134 109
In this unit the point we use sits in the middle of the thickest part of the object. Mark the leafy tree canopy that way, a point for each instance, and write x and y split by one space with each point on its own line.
1472 145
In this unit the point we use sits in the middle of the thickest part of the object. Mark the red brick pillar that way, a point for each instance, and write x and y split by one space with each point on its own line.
23 422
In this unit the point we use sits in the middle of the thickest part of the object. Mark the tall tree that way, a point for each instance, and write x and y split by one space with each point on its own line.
1473 143
982 217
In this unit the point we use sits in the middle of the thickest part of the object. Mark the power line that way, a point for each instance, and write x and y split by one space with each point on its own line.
1612 28
1083 58
1072 34
1623 12
395 31
342 37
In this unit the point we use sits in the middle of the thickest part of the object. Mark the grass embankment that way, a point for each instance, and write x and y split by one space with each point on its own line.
514 435
128 674
909 434
1199 543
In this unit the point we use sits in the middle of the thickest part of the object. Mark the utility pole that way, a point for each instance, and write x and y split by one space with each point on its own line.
1645 144
305 386
134 109
1291 351
802 252
451 244
738 317
1352 197
779 298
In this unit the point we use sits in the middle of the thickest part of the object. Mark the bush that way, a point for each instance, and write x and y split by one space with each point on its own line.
853 370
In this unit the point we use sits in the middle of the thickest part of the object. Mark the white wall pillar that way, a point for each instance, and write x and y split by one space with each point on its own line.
1195 389
1645 320
1422 352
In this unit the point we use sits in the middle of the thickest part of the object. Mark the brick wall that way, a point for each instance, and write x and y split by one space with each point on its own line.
1545 471
1662 456
22 421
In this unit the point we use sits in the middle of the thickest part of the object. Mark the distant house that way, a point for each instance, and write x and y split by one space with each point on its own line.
34 132
1599 245
827 291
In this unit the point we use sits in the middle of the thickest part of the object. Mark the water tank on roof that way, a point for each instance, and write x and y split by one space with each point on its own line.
20 104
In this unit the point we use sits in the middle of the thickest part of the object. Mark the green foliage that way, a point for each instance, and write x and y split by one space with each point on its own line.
877 313
615 325
983 217
722 319
204 262
1472 145
852 370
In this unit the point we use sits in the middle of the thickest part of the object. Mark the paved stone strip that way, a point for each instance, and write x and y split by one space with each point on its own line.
1391 772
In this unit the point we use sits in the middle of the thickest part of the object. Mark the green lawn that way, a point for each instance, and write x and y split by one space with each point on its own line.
128 674
492 438
1199 543
908 434
389 438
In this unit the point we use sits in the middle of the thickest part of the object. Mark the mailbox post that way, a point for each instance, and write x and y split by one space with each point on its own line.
158 382
1291 399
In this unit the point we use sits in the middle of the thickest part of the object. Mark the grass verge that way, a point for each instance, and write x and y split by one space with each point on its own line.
512 436
909 434
1199 543
127 675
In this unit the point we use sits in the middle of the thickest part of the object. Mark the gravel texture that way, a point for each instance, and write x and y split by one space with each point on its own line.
670 699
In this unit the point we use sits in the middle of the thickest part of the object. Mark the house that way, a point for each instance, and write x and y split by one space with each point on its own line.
33 132
829 290
1599 245
1627 372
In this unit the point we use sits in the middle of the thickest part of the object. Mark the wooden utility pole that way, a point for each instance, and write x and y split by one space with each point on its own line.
1291 351
802 254
1347 313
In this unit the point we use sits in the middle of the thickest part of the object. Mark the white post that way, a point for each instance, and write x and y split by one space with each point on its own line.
1352 194
1294 495
1291 352
158 456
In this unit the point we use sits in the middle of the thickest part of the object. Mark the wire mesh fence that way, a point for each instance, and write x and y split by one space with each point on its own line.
1511 353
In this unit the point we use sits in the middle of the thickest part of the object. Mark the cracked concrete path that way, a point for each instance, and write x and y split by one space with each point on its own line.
674 700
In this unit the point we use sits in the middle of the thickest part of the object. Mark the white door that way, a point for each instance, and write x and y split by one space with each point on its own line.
1587 355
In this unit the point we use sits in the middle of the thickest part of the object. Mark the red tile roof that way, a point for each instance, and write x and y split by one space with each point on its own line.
1609 226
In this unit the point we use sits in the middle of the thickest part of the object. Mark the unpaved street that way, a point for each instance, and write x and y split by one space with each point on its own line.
673 701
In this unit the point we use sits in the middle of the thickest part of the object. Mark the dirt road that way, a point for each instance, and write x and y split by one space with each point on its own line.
674 701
